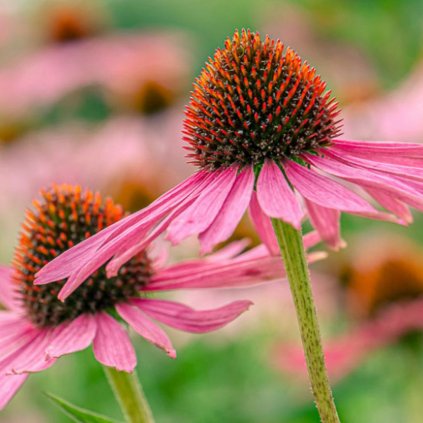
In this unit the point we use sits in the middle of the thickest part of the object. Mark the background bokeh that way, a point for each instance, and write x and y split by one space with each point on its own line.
93 92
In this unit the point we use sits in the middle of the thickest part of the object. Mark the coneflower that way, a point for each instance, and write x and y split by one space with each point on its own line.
36 328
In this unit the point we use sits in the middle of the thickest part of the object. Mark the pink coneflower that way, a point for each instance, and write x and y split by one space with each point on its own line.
263 130
36 328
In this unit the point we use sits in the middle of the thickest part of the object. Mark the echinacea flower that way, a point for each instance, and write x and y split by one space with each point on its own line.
383 282
263 130
37 328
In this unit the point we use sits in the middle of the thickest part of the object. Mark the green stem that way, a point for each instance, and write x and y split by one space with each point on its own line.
130 396
291 245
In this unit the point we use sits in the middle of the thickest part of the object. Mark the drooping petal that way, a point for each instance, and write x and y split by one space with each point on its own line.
9 385
198 217
325 191
250 271
8 294
390 202
368 178
129 242
112 346
231 212
263 226
407 154
145 327
71 337
327 223
275 196
227 252
383 167
187 319
32 358
310 239
14 337
142 240
64 265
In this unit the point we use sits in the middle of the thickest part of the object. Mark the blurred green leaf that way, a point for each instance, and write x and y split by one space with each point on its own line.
78 414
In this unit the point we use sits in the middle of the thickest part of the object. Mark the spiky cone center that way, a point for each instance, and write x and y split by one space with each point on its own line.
256 100
65 216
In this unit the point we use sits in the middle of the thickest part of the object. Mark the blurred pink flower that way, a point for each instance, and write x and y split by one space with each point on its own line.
36 328
395 115
112 62
383 288
345 353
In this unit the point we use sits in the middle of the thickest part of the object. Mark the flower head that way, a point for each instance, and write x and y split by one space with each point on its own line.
256 100
63 217
36 328
286 164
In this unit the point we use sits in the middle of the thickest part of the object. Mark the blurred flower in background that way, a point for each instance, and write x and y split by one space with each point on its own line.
382 289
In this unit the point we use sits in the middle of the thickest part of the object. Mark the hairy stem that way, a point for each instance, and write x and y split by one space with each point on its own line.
292 248
130 396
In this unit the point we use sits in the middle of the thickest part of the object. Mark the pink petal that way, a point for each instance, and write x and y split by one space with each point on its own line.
146 328
324 191
275 196
263 226
311 239
250 271
128 242
9 385
71 337
327 223
230 213
230 251
8 292
204 210
368 178
15 334
112 346
227 252
64 265
32 358
185 318
136 239
390 202
395 152
142 241
383 167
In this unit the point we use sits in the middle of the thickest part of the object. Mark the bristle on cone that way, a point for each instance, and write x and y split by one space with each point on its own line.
256 100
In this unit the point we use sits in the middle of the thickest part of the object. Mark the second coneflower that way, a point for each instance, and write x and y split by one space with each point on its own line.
37 328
